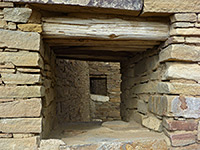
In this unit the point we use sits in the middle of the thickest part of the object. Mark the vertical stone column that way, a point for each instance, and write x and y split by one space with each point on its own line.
160 88
21 84
181 77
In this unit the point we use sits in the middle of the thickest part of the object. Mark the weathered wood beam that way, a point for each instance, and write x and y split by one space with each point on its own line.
69 42
105 29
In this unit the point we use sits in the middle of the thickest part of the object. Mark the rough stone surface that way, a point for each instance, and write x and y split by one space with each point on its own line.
117 4
146 65
137 144
182 25
3 24
21 108
17 14
21 78
5 135
21 91
51 144
150 87
25 59
20 40
153 123
172 6
181 138
185 31
115 124
72 89
175 125
21 125
189 147
99 98
180 52
19 144
158 105
192 40
188 107
142 107
184 17
6 4
178 88
12 26
182 71
30 27
22 135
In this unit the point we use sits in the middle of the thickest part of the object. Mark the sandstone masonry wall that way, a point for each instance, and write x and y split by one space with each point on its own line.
72 87
73 99
107 110
22 86
160 88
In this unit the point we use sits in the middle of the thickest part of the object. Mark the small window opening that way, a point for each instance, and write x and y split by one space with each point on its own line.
98 85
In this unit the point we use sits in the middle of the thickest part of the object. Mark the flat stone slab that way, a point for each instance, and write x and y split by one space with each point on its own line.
135 5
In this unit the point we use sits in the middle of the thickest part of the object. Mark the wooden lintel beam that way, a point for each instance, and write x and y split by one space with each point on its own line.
83 42
104 29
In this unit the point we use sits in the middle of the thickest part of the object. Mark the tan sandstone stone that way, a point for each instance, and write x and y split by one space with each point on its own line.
147 64
5 135
182 71
21 91
185 31
27 70
21 108
174 40
23 135
6 4
30 27
178 88
181 138
182 25
51 144
21 125
184 17
153 123
3 70
180 52
165 6
142 106
19 144
20 40
160 105
12 26
150 87
23 58
192 40
3 24
17 14
21 78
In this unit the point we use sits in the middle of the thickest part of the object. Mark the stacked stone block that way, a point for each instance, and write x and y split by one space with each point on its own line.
72 88
21 80
110 109
162 90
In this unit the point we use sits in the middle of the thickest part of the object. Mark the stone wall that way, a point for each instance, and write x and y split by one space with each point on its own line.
107 109
21 79
72 87
160 87
73 99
